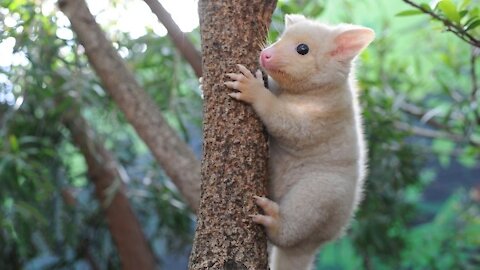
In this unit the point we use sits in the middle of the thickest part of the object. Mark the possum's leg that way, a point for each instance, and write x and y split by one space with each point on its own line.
289 252
282 258
315 209
288 259
289 223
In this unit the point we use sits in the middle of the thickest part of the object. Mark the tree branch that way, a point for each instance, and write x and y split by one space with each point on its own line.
473 75
418 113
181 42
434 134
175 157
442 130
427 133
458 31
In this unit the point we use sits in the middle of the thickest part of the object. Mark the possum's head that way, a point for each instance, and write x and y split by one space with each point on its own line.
310 55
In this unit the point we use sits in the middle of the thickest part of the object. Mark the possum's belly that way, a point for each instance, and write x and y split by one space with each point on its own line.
281 180
287 168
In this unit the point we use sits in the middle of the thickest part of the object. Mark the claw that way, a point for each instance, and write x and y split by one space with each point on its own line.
269 207
271 219
232 85
234 76
235 95
245 71
264 220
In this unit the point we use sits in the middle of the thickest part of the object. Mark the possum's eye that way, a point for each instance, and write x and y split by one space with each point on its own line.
302 49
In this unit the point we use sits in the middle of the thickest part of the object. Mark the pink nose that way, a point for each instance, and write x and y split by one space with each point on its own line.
265 57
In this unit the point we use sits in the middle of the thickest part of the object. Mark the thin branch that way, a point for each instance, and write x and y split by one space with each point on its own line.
473 74
441 130
427 133
185 47
434 134
458 31
418 113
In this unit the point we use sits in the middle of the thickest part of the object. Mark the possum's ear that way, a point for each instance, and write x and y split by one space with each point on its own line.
351 42
291 19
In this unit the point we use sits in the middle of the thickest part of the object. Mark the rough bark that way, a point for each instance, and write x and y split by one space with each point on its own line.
181 42
234 167
169 150
104 172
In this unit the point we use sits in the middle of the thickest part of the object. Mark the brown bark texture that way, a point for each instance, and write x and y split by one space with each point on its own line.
181 42
173 154
234 166
104 172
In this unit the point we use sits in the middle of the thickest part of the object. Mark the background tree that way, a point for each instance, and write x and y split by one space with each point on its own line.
109 179
177 159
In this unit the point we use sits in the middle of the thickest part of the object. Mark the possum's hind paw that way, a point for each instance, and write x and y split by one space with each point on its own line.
271 218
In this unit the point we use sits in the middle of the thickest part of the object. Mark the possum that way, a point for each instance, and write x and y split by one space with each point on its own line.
317 161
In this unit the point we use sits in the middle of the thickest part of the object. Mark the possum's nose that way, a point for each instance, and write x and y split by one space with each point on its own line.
265 57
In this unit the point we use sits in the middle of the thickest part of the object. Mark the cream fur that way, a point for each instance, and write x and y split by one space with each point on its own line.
317 152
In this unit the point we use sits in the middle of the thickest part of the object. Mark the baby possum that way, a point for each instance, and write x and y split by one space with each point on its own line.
317 153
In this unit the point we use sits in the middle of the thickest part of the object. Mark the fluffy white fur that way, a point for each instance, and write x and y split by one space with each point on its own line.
317 153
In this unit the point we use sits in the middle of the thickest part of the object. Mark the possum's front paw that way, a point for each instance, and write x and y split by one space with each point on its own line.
271 217
248 86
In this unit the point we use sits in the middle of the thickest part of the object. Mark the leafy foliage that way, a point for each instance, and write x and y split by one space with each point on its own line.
49 218
449 241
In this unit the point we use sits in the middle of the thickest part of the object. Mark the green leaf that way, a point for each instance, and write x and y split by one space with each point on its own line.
450 10
472 25
465 3
426 6
28 210
444 160
409 12
475 11
4 161
468 161
13 143
443 146
469 157
14 5
470 20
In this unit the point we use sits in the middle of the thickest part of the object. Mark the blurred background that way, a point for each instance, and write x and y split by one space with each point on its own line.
419 83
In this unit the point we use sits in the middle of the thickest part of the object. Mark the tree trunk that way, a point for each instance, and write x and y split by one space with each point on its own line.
103 171
234 166
170 151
